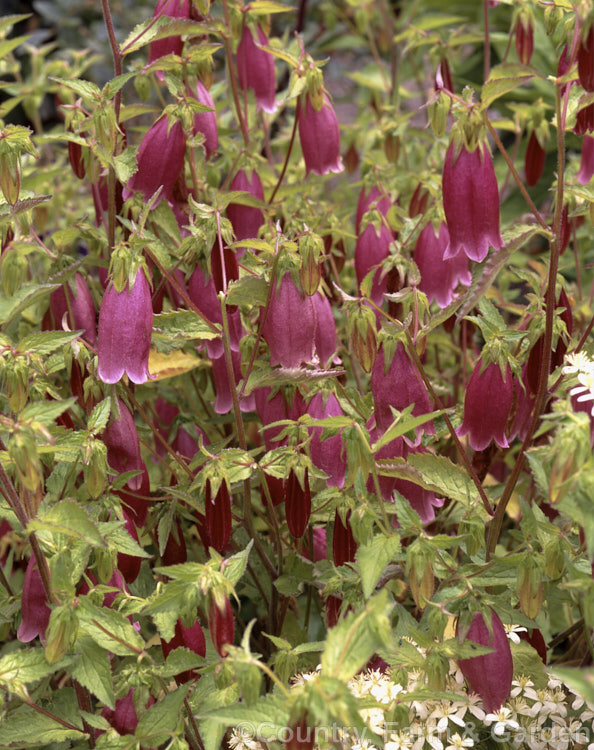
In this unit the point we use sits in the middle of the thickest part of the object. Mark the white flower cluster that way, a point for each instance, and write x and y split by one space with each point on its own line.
582 366
547 718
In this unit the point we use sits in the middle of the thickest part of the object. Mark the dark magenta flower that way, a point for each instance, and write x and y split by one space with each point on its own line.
325 338
490 675
297 504
327 454
399 385
439 276
320 137
274 408
585 58
63 302
534 160
220 376
246 220
587 161
160 160
221 625
524 40
203 293
123 446
344 546
370 251
290 325
487 406
135 504
218 516
584 122
191 638
125 326
35 611
124 718
471 202
171 45
255 68
129 565
206 122
376 200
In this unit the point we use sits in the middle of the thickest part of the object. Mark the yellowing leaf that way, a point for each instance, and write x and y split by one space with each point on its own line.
163 366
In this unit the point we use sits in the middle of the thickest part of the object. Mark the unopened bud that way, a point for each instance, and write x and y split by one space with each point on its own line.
62 627
553 16
311 248
392 147
364 337
530 588
437 668
22 450
439 110
554 558
10 176
13 271
96 469
420 575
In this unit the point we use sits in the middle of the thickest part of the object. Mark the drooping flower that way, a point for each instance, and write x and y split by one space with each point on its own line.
471 202
255 68
320 137
585 58
274 408
129 565
171 45
221 625
439 276
327 455
524 40
584 122
297 504
35 611
487 406
246 220
224 399
218 516
325 337
534 160
490 675
191 638
124 718
206 122
64 302
135 504
376 200
125 325
344 546
160 160
587 161
370 251
123 446
290 325
398 386
202 292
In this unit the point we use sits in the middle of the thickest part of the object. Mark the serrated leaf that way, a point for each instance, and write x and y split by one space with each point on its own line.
6 22
179 660
26 666
26 728
99 416
46 342
372 559
7 45
161 28
45 412
22 205
109 629
269 712
123 542
286 376
249 290
93 670
125 165
236 565
112 87
66 517
158 723
528 662
405 423
85 89
183 324
23 298
351 644
503 79
189 572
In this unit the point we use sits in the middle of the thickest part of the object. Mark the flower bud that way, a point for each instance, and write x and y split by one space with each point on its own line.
255 68
95 468
79 309
490 675
61 631
530 587
246 220
218 516
35 612
534 160
297 504
524 40
123 445
553 16
487 406
370 252
326 454
554 558
191 638
344 546
362 326
75 157
221 625
23 451
391 150
471 202
320 137
206 122
421 580
311 249
13 270
125 326
10 176
439 111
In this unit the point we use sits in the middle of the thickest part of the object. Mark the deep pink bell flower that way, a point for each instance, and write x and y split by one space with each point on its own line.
319 135
490 675
328 455
376 200
171 45
123 446
471 202
246 220
255 68
206 122
439 276
125 326
35 611
587 161
290 326
63 301
160 159
534 160
585 58
487 406
370 251
399 386
191 638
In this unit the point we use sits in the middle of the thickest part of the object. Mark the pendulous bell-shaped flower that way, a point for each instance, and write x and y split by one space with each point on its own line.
123 446
297 504
64 302
439 276
471 202
370 251
489 675
246 220
218 516
319 135
206 122
255 68
398 386
290 325
160 160
585 58
327 454
35 611
534 160
487 406
171 45
191 638
587 161
125 325
524 40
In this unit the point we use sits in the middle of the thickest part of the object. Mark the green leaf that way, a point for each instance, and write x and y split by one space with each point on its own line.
503 79
46 342
66 517
26 728
159 722
7 45
184 325
402 424
23 667
180 660
151 30
372 559
85 89
45 412
125 165
264 7
109 629
188 572
93 670
351 644
249 290
269 713
528 662
236 565
112 87
99 416
580 680
23 298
